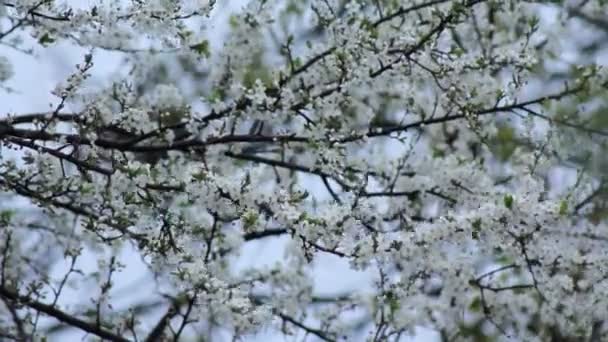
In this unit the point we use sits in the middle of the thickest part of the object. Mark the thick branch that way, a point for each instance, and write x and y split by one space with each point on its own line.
62 316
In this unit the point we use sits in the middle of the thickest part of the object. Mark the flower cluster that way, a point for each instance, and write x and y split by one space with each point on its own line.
410 145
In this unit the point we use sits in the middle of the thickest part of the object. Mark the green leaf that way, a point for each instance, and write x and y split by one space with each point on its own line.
297 62
292 8
257 70
476 228
563 207
475 305
90 313
233 21
438 152
333 122
217 94
46 39
6 216
393 304
504 143
202 48
508 200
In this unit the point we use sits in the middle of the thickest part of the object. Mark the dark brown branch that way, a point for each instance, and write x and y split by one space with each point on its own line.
287 165
319 333
66 157
565 123
157 333
384 131
264 233
62 316
403 11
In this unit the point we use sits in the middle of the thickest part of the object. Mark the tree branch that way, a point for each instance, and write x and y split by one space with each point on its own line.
62 316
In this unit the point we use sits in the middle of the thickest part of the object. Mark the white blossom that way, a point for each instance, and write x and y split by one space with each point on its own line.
249 164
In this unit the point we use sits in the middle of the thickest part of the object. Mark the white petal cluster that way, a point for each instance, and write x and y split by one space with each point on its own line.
413 146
